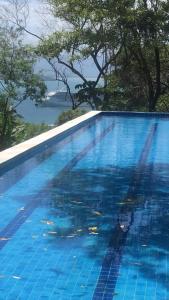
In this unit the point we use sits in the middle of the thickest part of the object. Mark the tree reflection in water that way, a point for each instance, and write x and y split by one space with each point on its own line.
94 210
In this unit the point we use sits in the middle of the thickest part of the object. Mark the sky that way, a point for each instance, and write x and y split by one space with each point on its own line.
37 25
41 22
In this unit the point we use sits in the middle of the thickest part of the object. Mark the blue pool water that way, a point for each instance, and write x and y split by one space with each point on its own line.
88 217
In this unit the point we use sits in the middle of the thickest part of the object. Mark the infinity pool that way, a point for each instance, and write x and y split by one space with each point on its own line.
88 218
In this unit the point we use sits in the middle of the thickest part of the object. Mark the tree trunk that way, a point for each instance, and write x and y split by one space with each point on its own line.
154 96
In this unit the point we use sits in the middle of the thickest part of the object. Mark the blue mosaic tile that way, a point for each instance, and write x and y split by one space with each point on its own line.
59 237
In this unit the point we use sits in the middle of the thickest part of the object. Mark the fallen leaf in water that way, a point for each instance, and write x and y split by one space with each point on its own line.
77 202
35 236
52 232
129 200
16 277
97 213
94 228
22 208
48 222
135 263
122 226
4 239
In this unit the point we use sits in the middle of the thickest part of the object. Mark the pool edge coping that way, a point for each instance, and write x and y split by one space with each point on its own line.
21 149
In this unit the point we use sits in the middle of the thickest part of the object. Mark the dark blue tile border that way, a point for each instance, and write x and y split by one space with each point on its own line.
135 114
7 233
105 288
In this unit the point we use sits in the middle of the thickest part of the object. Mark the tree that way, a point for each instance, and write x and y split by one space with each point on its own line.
16 12
144 61
92 35
17 81
125 40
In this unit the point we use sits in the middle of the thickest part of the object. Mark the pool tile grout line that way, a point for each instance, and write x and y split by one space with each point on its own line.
12 227
106 284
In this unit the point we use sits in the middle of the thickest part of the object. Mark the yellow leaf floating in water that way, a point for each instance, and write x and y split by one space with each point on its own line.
94 228
48 222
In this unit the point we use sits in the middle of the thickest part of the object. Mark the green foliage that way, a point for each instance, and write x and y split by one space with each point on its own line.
144 60
17 82
24 131
70 115
92 34
163 103
128 43
87 92
8 121
18 131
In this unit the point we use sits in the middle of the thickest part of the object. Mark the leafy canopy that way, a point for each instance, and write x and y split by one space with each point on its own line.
17 81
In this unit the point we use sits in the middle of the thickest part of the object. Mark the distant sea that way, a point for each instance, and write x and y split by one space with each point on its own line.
47 114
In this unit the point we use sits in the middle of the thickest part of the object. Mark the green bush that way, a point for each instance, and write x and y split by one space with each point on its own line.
25 131
70 115
163 103
18 131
